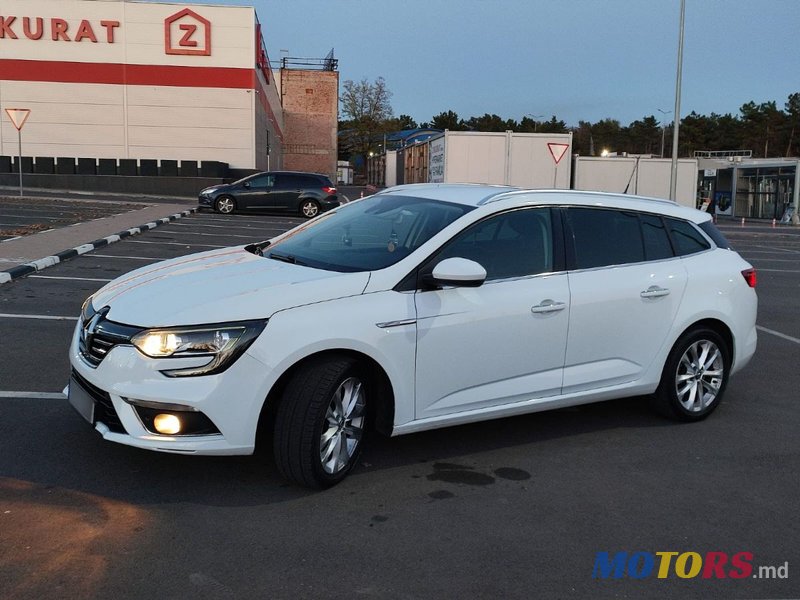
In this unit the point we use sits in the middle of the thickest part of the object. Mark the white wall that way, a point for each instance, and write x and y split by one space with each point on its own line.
643 177
506 158
531 165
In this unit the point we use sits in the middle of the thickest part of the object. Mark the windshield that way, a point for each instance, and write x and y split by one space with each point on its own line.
366 235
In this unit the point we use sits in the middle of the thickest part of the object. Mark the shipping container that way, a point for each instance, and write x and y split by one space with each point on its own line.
637 176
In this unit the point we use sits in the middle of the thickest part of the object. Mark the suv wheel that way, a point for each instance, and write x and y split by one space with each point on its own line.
694 377
309 208
321 422
225 205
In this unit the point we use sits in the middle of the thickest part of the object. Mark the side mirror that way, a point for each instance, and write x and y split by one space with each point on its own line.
458 272
246 185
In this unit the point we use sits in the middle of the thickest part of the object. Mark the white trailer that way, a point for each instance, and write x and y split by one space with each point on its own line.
637 176
528 160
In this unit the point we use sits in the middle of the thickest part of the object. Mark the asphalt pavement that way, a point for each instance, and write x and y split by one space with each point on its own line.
512 508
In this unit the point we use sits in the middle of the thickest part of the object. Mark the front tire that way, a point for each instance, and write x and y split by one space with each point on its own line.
225 205
309 208
320 423
695 376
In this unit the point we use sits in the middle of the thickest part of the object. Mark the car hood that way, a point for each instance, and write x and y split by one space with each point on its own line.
230 284
216 188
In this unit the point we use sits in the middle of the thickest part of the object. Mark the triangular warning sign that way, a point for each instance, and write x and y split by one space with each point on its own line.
557 151
18 116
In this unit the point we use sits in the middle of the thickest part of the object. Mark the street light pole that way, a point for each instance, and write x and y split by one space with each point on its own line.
673 180
663 129
534 117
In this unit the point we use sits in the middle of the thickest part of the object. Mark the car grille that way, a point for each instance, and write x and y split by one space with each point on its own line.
104 411
99 335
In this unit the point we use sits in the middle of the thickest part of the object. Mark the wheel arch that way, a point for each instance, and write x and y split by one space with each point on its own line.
720 327
382 419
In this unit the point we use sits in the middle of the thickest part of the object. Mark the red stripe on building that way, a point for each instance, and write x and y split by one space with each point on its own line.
119 74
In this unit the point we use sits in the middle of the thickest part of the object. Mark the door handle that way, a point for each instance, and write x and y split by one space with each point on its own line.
654 291
548 306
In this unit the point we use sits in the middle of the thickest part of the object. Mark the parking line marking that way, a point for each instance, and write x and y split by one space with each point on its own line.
778 334
173 232
177 244
789 260
39 317
67 278
128 257
34 395
760 270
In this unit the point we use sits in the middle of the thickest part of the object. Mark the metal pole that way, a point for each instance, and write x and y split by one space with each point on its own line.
19 164
673 180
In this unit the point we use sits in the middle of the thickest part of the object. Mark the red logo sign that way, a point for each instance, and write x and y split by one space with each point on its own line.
187 33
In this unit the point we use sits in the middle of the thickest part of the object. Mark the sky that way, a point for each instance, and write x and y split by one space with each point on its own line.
576 59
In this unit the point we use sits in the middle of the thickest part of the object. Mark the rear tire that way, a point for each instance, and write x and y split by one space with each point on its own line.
695 376
225 205
309 208
320 422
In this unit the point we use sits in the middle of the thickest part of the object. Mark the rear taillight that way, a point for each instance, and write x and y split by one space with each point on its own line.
329 190
750 277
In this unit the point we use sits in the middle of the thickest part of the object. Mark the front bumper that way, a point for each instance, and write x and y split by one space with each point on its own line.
232 400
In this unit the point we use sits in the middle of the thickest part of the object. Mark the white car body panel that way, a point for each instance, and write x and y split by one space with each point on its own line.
480 347
231 282
614 332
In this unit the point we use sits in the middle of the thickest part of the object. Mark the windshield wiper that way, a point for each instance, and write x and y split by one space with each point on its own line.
287 258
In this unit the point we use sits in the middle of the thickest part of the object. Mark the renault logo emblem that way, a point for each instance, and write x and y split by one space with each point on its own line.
90 327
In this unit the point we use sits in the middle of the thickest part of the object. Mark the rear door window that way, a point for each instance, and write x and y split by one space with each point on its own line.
686 238
656 238
605 237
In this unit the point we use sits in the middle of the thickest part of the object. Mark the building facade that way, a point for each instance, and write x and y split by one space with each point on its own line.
143 80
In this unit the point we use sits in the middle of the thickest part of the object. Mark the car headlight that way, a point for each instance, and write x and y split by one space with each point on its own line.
222 343
87 310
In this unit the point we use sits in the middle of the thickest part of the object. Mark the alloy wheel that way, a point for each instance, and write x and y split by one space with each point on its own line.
343 427
225 205
699 376
309 209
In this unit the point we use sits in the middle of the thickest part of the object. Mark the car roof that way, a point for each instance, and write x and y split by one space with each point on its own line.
480 194
309 173
471 194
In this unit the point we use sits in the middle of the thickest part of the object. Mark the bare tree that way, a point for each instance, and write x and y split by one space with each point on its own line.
366 110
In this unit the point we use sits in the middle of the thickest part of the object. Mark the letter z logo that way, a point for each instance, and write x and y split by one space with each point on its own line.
187 33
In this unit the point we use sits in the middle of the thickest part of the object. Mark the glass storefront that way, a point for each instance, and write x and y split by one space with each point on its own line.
764 193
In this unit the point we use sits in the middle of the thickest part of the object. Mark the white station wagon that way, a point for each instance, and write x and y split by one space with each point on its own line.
419 307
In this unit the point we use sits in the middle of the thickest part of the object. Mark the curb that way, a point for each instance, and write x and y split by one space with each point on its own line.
49 261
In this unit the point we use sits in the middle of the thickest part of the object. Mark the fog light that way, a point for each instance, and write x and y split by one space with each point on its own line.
167 424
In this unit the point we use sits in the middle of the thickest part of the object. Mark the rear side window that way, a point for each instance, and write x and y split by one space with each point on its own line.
686 238
715 234
605 237
656 239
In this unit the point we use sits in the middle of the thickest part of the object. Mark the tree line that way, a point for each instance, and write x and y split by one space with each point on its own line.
763 128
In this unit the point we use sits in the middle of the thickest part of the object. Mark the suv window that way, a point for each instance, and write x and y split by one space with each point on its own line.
656 238
715 234
512 244
605 237
686 238
261 181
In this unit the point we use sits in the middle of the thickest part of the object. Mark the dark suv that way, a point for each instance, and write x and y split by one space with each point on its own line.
287 191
